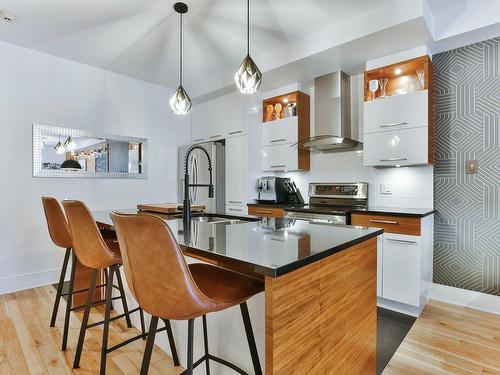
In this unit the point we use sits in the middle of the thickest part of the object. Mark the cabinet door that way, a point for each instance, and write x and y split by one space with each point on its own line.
380 268
401 268
279 132
397 147
237 170
397 112
280 158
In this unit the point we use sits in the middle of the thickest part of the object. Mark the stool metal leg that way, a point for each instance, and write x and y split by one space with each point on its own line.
250 338
69 302
143 326
150 343
122 294
60 287
190 347
85 320
171 342
205 339
107 316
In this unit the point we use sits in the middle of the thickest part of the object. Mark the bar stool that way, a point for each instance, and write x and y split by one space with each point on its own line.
93 252
168 288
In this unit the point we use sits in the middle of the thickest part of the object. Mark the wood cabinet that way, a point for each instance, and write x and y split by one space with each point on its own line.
398 129
219 118
280 151
266 211
404 259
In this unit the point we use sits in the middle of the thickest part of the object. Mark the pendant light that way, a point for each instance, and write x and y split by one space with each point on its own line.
69 144
180 101
248 78
59 149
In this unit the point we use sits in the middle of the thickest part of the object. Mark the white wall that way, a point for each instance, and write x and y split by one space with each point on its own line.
36 87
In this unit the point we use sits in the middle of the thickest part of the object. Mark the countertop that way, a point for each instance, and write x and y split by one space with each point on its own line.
267 247
401 211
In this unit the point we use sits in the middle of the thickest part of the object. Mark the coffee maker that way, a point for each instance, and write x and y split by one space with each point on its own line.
278 190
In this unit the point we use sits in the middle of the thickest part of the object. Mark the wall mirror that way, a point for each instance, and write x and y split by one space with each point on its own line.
66 152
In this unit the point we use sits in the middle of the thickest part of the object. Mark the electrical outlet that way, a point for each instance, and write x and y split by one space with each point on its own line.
471 166
386 189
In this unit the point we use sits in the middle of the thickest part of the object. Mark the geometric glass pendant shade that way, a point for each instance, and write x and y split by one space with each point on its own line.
248 78
180 101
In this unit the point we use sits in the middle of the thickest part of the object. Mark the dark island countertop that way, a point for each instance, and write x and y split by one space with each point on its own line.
267 247
382 210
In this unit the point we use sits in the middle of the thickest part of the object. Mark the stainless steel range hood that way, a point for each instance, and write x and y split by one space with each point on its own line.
332 114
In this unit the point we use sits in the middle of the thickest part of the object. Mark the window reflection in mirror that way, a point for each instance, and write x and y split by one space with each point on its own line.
69 150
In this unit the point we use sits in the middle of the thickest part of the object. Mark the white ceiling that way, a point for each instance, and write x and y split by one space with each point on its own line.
130 37
290 39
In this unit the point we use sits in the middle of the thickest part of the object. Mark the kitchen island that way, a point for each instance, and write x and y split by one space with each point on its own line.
320 286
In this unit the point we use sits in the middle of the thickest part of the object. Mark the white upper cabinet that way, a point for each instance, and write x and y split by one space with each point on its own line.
284 131
401 147
397 112
219 118
237 170
280 158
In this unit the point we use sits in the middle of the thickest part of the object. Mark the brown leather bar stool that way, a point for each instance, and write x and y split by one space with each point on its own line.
167 288
93 252
61 236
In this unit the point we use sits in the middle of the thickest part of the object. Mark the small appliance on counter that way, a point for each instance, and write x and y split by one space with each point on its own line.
278 190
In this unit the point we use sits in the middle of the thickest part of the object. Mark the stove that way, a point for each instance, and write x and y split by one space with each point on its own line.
331 202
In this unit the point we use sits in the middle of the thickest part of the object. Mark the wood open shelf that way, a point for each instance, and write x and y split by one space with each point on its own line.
284 100
399 82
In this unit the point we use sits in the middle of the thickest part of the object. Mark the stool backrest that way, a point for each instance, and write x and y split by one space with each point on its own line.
155 268
88 243
56 222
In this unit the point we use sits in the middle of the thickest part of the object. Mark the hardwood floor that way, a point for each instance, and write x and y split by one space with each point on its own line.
29 346
448 339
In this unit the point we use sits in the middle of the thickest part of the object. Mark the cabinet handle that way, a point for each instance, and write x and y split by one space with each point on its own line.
278 140
402 241
394 159
235 209
236 132
383 221
240 202
393 124
199 139
216 136
263 212
277 166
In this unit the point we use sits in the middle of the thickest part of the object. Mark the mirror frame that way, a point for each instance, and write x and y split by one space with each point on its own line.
39 129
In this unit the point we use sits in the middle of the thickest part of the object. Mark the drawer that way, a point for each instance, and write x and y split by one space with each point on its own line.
236 210
389 223
278 132
397 147
280 158
266 211
397 112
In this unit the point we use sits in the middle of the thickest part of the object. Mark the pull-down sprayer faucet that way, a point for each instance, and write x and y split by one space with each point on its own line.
186 207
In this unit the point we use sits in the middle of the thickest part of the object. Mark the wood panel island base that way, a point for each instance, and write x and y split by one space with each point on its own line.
319 304
322 318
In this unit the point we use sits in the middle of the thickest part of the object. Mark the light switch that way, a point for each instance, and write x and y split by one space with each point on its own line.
471 166
386 189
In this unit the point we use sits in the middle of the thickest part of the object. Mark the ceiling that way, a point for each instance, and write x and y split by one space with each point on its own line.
139 38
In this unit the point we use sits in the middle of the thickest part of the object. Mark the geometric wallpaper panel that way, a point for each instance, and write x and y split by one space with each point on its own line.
467 221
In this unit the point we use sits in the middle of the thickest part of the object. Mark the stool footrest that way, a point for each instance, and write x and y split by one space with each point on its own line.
132 339
219 360
113 318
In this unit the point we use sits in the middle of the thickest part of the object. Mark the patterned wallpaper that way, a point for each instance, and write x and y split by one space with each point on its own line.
467 224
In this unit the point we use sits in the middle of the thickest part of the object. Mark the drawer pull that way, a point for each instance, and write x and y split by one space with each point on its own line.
277 140
216 136
277 166
240 202
198 140
394 159
383 221
393 124
235 209
236 132
263 212
402 241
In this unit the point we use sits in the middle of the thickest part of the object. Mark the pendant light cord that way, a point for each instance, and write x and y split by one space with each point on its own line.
180 54
248 27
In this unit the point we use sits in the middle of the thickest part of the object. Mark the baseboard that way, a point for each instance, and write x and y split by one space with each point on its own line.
399 307
29 280
466 298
